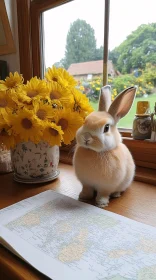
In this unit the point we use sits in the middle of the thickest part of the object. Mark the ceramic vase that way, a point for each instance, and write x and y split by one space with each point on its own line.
35 163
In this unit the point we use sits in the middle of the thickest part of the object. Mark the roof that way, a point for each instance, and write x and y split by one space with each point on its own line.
90 67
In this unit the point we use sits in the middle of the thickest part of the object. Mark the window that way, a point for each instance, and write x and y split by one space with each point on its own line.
76 42
132 49
73 34
89 77
142 151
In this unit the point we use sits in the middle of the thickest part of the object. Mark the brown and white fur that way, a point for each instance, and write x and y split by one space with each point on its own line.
101 161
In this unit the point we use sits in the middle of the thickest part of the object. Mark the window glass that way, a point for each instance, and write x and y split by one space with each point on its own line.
74 33
132 50
73 38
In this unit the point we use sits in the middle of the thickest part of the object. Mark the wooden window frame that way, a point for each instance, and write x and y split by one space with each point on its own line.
8 46
29 22
37 8
24 34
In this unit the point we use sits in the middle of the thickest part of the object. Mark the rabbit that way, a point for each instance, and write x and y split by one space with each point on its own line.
102 163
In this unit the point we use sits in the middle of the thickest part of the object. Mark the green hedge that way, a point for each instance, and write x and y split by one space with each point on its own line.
145 80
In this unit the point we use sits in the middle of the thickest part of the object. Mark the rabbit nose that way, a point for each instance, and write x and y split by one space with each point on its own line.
87 138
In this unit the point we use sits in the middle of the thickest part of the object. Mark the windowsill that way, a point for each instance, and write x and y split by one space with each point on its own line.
143 152
146 175
125 132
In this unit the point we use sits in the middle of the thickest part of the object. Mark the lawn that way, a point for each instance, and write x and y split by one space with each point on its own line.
127 121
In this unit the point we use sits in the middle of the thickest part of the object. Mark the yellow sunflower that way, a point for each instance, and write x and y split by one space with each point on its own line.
81 104
43 111
69 121
7 139
6 103
26 126
57 92
13 81
34 88
21 100
60 76
53 74
52 134
67 79
12 95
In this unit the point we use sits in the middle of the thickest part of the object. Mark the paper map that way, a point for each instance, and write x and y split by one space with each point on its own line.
67 239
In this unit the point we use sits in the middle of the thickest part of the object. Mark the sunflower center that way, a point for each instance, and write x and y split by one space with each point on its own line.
55 95
53 132
54 79
12 84
63 123
41 114
3 103
26 123
32 94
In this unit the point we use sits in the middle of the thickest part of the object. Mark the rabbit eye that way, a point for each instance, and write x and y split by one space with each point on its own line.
106 128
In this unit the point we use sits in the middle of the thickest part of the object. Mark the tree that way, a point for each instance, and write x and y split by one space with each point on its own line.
80 43
59 64
138 49
149 74
98 54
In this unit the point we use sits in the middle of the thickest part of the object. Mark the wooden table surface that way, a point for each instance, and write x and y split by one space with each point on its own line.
137 203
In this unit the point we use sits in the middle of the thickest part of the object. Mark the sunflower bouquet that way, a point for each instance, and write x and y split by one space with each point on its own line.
49 109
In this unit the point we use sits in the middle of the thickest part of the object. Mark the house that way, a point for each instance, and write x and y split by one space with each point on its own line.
90 69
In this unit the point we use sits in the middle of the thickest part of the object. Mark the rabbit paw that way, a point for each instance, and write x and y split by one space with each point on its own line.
102 201
116 194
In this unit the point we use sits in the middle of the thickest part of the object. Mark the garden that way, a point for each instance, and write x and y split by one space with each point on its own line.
145 80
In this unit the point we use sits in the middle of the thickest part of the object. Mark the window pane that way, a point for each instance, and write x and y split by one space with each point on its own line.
57 23
132 49
73 38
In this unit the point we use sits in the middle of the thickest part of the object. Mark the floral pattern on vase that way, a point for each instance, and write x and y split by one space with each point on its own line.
31 160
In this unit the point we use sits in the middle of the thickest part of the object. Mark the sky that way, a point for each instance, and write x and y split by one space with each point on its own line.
125 17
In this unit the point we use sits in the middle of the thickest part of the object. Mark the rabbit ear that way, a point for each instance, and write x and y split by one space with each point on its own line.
105 98
122 103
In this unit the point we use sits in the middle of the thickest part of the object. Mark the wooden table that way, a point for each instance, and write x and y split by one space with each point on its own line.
137 203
